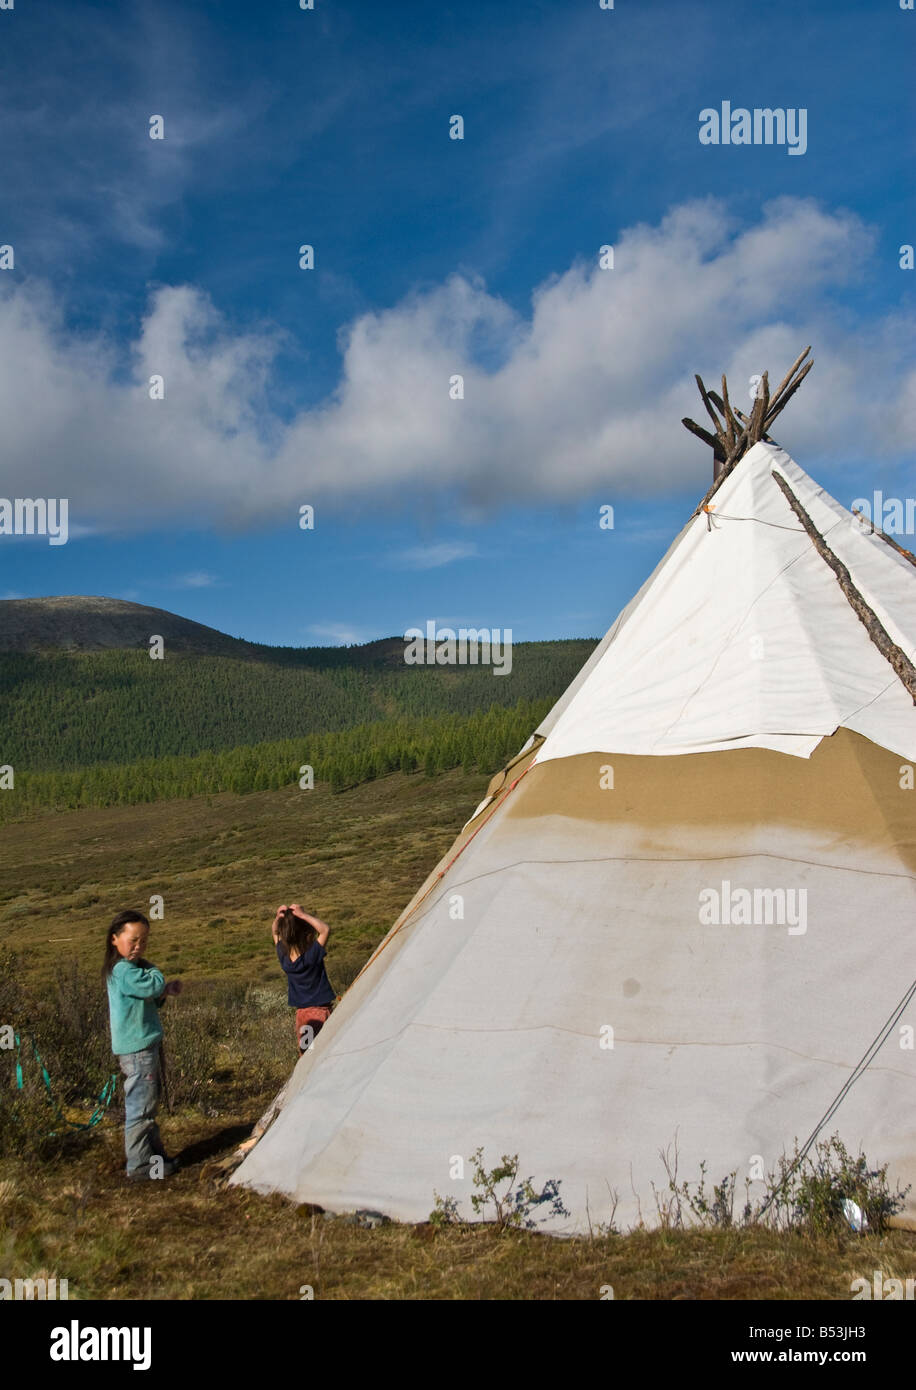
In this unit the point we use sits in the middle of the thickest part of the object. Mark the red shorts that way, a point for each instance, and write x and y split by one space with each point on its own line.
313 1017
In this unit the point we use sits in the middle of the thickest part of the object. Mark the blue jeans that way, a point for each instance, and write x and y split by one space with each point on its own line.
141 1101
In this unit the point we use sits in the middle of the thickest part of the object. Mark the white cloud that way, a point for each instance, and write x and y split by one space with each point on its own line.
338 634
79 531
586 394
646 534
197 579
430 557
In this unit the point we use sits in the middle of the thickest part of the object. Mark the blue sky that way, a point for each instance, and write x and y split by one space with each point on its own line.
433 257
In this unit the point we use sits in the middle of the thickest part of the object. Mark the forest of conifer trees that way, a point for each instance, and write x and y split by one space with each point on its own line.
114 728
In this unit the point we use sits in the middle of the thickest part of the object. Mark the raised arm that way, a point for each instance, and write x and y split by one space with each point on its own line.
274 928
322 928
141 982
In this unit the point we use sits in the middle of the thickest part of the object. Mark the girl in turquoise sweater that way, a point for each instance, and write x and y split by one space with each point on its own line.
136 992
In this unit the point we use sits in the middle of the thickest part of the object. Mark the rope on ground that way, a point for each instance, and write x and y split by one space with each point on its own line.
106 1095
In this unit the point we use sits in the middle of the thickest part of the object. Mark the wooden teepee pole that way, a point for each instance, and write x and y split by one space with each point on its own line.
736 432
894 655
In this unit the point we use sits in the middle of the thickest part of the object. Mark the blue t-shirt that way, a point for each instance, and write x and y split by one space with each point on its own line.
308 980
135 991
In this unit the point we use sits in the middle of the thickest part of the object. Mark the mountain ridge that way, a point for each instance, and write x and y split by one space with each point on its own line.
93 623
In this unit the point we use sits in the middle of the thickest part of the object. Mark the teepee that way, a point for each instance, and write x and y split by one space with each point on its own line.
683 920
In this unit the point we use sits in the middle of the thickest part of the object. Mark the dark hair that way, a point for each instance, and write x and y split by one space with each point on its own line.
115 928
293 932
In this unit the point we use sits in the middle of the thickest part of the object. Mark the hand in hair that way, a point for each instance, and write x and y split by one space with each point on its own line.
323 931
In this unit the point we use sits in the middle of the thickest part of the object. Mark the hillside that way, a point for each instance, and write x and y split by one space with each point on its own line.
79 623
90 623
65 706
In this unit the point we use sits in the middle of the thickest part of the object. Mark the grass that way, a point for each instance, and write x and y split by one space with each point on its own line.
185 1239
222 864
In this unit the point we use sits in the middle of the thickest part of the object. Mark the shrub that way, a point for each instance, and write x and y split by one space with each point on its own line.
810 1195
64 1035
512 1206
806 1193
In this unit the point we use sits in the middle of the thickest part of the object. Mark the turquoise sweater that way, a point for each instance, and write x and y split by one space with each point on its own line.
132 994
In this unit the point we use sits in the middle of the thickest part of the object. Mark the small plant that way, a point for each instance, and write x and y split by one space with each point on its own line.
512 1203
806 1194
809 1194
600 1230
445 1212
715 1209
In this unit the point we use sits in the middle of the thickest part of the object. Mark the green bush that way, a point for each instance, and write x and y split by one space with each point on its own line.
64 1056
811 1194
805 1194
513 1200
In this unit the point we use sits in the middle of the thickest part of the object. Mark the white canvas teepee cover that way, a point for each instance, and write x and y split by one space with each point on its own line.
683 923
746 640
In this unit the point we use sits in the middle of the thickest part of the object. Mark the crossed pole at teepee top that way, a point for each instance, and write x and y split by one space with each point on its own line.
737 432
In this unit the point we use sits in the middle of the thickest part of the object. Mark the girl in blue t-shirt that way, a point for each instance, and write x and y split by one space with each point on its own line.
136 992
300 940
